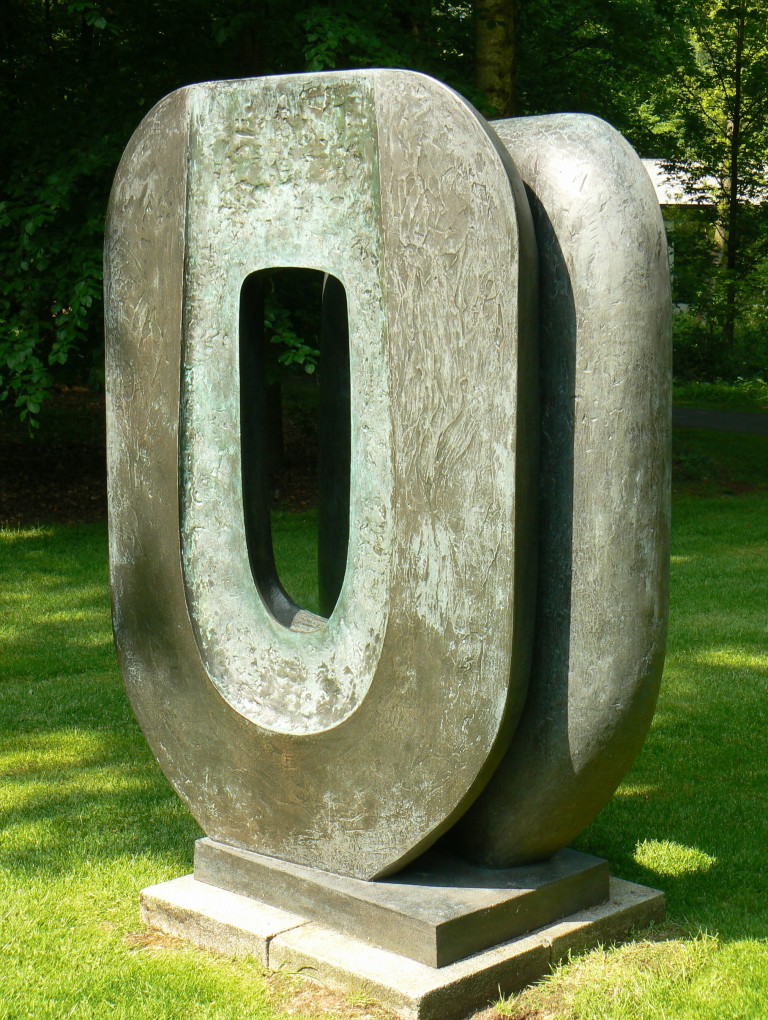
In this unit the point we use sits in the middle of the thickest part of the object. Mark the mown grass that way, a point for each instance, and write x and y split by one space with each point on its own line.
719 463
750 395
692 816
87 819
294 539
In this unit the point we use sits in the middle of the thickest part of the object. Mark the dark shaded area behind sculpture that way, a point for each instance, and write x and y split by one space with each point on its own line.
58 475
318 304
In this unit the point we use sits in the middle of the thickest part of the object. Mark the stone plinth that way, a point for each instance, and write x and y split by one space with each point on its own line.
439 910
236 925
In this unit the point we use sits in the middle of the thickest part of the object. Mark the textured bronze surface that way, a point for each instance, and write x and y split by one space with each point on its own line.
438 910
352 743
353 746
605 355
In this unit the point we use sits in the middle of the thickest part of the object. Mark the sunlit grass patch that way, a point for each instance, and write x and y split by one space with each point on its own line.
665 857
87 818
50 752
643 790
16 536
630 982
735 659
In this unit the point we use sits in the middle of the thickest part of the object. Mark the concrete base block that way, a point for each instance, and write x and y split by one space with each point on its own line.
437 911
212 919
236 925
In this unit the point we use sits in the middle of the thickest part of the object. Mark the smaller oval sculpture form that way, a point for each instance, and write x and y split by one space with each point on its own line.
349 743
605 354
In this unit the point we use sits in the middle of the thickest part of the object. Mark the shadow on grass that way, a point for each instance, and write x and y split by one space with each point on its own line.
56 831
711 463
54 602
87 788
80 784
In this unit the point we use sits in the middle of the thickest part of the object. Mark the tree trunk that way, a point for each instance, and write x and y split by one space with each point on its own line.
495 22
734 152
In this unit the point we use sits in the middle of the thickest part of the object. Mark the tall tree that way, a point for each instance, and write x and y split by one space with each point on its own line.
719 96
495 53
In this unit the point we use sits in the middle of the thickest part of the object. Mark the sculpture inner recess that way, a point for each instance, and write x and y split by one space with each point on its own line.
506 294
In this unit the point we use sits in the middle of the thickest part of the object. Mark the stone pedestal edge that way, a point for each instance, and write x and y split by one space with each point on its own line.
235 925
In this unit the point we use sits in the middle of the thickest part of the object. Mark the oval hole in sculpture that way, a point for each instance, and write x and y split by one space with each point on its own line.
295 438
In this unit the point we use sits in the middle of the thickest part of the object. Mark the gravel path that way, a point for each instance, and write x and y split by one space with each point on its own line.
720 421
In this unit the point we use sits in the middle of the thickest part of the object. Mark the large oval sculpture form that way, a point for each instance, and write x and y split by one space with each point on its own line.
351 743
605 354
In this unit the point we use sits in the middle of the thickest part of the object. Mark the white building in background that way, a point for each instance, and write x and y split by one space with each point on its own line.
670 189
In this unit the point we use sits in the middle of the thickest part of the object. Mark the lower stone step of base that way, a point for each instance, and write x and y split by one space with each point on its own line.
235 925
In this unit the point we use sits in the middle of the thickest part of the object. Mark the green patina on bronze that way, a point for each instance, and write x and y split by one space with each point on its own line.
350 742
353 746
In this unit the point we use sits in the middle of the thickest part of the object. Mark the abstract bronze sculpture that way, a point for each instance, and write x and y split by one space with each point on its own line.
604 481
348 745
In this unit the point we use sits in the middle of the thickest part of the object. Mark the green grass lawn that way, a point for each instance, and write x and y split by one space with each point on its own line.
719 463
87 819
692 816
749 395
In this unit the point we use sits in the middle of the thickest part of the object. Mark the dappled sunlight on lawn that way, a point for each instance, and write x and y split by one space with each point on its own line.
692 816
17 536
54 602
87 818
95 796
54 752
733 658
643 790
666 857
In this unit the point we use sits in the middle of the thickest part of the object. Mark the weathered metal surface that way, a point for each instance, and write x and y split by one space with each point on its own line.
438 910
334 447
605 353
353 746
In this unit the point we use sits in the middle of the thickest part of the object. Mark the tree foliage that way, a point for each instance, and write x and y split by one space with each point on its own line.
74 80
588 56
718 99
76 77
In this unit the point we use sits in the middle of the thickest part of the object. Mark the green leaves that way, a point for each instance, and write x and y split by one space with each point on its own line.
50 267
89 11
719 92
75 77
336 38
293 349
